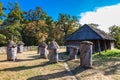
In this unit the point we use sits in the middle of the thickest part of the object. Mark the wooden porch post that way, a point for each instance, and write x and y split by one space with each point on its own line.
105 45
99 48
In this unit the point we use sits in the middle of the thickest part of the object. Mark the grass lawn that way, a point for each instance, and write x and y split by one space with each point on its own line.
29 67
105 67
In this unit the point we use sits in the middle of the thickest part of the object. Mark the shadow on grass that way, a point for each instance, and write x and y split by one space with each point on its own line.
65 56
21 60
35 56
78 70
29 58
25 67
56 75
109 61
49 76
112 69
3 60
62 56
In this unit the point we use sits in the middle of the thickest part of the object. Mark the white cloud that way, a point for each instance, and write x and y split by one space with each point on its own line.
104 16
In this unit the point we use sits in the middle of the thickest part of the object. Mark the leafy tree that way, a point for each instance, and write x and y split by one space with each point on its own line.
13 22
38 26
50 26
67 24
2 14
57 34
2 39
34 15
115 32
36 30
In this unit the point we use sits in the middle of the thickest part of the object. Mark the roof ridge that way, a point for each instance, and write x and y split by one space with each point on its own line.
94 30
73 32
91 33
103 32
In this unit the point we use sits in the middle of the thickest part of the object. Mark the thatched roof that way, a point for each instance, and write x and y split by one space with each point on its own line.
53 45
87 32
20 43
43 44
11 44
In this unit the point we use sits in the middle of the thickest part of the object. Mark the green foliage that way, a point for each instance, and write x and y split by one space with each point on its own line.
2 14
67 24
36 30
115 32
13 22
12 30
15 13
35 26
109 55
2 39
33 15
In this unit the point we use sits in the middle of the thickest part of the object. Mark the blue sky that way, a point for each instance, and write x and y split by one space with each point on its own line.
79 8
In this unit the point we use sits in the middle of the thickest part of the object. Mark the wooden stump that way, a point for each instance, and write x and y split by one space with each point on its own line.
73 53
53 56
43 52
11 51
20 48
86 54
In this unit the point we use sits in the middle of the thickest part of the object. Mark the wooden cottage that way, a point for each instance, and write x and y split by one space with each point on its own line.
101 40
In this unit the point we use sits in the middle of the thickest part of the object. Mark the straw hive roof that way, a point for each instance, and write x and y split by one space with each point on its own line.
43 44
20 43
53 45
11 44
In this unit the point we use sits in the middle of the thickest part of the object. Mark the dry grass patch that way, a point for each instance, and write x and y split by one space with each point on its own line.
105 67
29 67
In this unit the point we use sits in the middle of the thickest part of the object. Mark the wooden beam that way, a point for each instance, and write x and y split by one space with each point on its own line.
99 48
105 45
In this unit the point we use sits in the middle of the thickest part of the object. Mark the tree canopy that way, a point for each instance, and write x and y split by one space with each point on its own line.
115 32
35 26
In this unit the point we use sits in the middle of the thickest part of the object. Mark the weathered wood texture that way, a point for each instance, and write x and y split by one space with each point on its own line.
73 53
42 50
11 51
53 54
94 35
20 46
86 54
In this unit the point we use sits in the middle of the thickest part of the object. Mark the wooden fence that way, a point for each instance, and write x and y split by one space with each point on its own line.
26 48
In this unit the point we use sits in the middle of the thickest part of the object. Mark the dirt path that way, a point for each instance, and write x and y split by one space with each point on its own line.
69 71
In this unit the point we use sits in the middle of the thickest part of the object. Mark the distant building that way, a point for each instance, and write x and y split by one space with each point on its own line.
101 40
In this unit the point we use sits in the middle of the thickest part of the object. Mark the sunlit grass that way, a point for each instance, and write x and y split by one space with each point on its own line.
105 66
108 55
29 67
